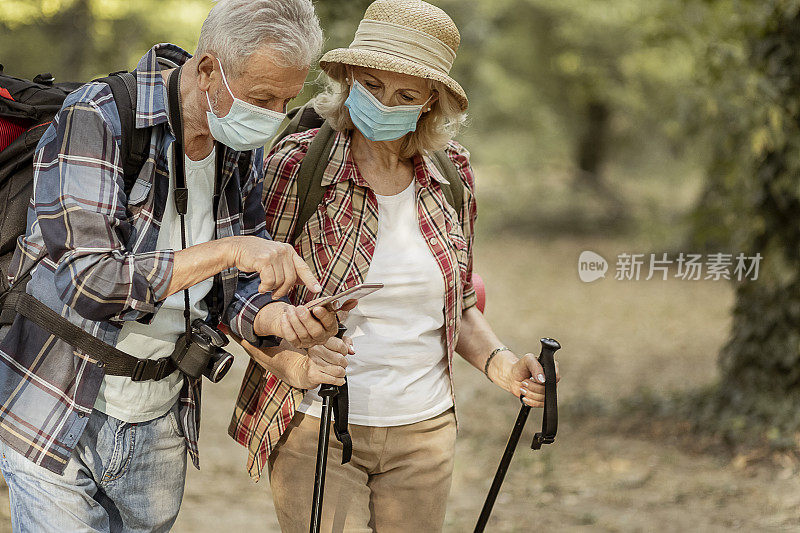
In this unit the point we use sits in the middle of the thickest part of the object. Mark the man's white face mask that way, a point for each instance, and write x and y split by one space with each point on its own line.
246 126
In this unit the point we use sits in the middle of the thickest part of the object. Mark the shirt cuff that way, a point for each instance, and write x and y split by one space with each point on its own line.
470 299
151 274
246 321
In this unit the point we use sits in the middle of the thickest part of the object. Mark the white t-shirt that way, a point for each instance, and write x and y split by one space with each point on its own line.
140 401
398 374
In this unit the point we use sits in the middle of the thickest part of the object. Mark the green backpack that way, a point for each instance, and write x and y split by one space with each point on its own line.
309 179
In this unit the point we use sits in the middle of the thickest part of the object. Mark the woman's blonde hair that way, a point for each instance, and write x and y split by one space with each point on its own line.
434 129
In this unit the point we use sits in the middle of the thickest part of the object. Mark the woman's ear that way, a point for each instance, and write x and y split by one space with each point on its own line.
434 98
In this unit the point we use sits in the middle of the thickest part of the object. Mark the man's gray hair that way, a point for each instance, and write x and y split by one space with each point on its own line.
234 29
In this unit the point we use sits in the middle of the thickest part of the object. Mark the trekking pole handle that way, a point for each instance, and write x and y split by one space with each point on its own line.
550 412
549 348
326 388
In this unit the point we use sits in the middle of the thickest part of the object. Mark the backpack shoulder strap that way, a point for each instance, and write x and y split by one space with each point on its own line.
244 164
309 178
454 192
301 118
135 142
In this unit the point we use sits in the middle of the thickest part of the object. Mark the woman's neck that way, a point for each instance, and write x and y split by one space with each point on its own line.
380 164
383 155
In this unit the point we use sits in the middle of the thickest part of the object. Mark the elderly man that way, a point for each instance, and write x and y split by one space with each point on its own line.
85 448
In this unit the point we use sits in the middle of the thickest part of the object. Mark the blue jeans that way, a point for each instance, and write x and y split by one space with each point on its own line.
120 477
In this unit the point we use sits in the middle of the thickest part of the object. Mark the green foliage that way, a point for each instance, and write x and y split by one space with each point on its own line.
533 66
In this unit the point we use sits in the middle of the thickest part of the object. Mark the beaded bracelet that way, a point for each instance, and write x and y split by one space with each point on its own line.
489 360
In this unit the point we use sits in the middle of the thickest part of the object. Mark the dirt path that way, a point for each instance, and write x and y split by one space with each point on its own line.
594 480
618 337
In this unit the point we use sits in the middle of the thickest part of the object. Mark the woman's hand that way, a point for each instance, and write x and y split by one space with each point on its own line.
527 380
296 367
331 358
522 377
304 373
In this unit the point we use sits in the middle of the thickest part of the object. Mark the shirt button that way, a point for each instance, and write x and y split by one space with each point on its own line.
434 241
450 283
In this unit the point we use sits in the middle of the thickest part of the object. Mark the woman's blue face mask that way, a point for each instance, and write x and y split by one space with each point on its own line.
379 122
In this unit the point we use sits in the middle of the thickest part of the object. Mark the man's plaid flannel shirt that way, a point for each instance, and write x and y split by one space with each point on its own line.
97 263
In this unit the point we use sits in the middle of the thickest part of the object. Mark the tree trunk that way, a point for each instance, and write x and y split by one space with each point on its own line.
591 154
592 144
759 392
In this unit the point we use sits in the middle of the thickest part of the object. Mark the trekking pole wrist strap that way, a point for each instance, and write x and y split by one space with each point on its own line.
340 403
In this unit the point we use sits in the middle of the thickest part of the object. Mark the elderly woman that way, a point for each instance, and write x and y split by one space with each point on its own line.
385 217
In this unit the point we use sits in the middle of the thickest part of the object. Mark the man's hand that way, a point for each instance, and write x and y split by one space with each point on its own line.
277 264
297 325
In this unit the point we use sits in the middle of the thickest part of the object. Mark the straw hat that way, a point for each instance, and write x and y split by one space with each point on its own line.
406 36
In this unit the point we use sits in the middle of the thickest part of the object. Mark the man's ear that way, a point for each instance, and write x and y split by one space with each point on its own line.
206 70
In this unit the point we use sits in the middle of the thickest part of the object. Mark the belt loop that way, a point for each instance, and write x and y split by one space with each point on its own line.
161 367
138 370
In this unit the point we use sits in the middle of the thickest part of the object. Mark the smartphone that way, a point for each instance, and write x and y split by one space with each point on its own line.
353 293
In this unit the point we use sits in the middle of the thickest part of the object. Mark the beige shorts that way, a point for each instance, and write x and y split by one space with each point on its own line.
398 479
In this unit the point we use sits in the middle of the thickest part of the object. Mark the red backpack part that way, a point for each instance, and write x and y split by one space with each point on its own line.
480 291
10 127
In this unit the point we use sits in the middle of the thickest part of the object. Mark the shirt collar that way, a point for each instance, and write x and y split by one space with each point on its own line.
151 91
425 169
341 167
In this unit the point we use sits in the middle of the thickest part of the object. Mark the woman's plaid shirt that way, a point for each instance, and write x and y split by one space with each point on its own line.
97 262
338 242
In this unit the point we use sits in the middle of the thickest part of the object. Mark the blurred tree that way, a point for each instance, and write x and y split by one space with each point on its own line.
578 80
754 191
82 39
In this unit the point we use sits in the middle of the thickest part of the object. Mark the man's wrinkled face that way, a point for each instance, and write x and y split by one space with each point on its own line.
263 82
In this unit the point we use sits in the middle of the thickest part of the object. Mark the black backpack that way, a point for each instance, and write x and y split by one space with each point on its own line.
33 104
309 178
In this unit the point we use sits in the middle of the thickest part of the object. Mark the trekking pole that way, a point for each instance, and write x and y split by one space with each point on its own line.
546 436
327 392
